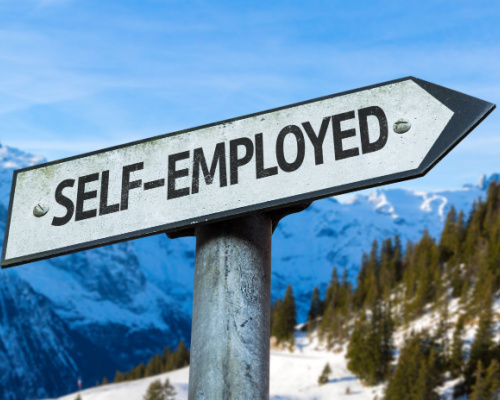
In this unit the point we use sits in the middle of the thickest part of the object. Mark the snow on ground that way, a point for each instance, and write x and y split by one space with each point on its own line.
294 376
135 390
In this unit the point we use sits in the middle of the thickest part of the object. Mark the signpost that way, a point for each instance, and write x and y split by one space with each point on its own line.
222 182
370 136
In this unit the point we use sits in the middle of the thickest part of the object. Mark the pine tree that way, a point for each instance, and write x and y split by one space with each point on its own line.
182 356
416 376
492 380
457 281
485 277
479 391
275 316
385 341
390 266
456 356
149 368
425 388
441 350
168 390
325 375
315 310
357 347
360 293
402 383
332 291
158 364
176 359
330 305
284 318
397 258
474 230
119 377
158 391
344 307
154 390
139 372
372 283
387 274
369 289
338 305
449 236
104 381
487 384
166 355
369 352
424 267
481 348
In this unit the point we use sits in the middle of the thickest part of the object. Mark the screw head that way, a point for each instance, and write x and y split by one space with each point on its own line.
401 126
40 210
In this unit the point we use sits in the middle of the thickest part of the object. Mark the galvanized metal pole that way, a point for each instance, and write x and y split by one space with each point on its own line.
231 310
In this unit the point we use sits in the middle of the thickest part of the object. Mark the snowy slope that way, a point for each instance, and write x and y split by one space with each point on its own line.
294 375
129 300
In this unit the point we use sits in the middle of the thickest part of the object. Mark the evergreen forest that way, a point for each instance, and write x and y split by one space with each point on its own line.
158 364
399 284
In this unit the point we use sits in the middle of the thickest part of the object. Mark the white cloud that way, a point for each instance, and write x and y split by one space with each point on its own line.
99 77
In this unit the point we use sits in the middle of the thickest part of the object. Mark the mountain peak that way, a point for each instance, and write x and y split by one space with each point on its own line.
12 158
484 181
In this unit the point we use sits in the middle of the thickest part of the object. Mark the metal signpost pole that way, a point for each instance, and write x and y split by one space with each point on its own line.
231 310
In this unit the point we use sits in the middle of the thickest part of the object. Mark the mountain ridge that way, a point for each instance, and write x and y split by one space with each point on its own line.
138 294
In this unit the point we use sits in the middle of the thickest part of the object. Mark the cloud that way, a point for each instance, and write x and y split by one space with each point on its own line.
263 55
89 76
43 72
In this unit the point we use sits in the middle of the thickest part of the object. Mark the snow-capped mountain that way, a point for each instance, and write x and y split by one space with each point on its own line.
330 233
91 313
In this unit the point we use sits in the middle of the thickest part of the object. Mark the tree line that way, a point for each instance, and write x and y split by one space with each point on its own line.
397 285
166 361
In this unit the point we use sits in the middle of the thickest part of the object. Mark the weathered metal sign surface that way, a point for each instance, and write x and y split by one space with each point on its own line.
384 133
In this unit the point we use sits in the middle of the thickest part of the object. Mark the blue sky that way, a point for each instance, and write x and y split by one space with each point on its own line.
77 76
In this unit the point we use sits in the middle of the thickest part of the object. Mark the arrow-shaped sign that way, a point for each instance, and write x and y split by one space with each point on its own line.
348 141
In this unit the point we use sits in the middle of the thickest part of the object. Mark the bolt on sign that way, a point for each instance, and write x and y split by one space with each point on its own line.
335 144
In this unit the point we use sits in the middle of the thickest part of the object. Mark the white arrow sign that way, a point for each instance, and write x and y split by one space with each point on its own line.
384 133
